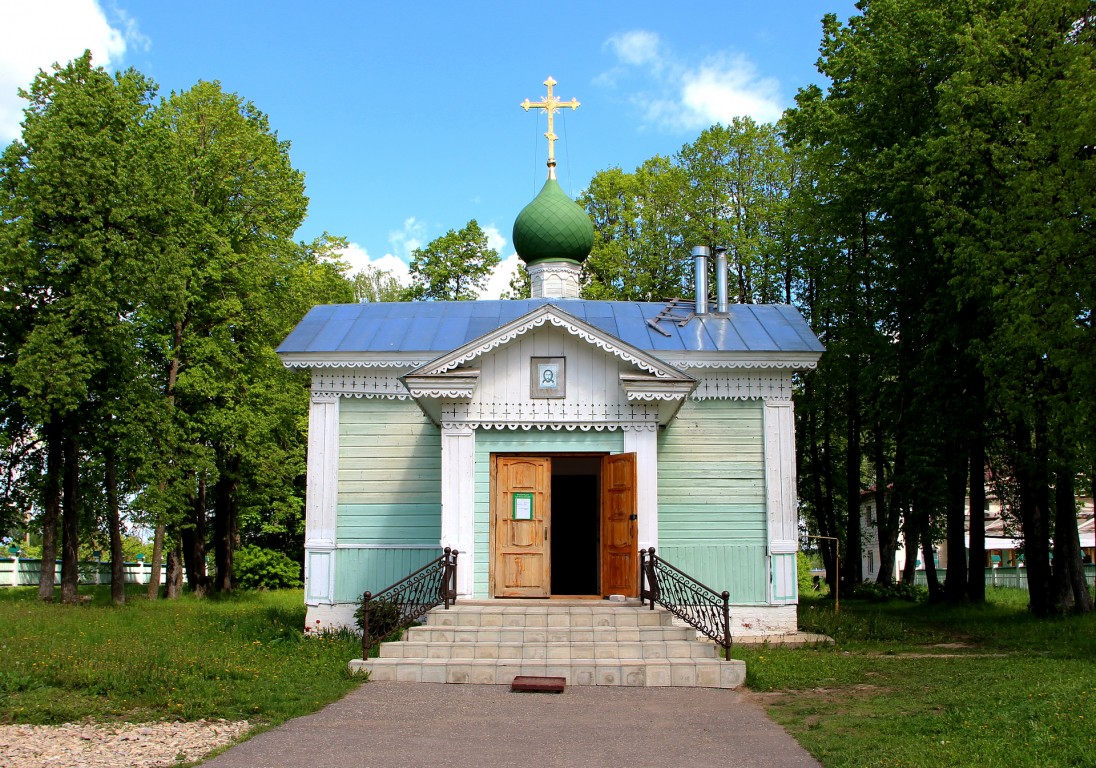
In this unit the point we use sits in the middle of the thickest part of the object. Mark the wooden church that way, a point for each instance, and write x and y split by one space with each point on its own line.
548 440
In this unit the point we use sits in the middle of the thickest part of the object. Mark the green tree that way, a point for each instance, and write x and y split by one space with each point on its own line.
639 221
80 218
453 267
520 287
739 178
233 293
947 159
374 284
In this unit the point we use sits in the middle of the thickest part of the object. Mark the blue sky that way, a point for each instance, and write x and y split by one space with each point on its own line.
405 117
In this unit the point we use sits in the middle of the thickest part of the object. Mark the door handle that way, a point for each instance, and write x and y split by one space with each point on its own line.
633 517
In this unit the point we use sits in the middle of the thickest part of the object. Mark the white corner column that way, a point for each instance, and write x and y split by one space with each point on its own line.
781 504
458 468
643 442
321 506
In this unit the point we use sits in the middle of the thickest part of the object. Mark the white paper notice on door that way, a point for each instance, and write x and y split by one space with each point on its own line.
523 506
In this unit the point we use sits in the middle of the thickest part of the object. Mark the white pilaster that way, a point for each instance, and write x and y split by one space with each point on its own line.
781 504
644 444
458 467
321 506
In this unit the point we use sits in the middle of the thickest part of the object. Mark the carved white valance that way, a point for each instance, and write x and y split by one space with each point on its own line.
790 361
525 426
743 386
367 383
554 415
453 385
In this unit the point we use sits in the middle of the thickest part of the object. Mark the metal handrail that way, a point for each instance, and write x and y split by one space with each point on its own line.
411 597
698 605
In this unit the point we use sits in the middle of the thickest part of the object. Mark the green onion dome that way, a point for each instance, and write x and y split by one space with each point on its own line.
553 228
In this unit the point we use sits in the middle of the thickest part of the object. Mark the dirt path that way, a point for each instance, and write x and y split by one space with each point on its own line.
136 745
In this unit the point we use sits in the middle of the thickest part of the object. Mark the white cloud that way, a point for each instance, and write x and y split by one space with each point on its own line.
686 97
499 281
636 48
500 278
404 241
410 237
357 259
39 33
495 239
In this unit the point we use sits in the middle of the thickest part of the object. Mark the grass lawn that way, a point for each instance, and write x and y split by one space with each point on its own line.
239 658
911 685
906 685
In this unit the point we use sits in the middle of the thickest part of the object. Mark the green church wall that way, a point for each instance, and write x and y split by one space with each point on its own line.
711 496
389 502
522 441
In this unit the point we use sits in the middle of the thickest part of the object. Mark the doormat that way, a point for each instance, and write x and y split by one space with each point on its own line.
533 684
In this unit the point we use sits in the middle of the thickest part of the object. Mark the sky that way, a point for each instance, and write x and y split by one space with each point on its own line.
406 117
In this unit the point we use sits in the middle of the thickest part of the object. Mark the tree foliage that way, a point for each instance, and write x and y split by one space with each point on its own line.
453 267
949 172
149 269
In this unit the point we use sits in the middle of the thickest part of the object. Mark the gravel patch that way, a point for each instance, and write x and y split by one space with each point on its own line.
108 745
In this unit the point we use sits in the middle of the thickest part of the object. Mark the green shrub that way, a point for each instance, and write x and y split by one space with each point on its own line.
258 568
882 593
384 618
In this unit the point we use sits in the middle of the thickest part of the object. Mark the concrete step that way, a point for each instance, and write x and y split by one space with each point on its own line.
701 673
455 634
586 644
649 649
509 616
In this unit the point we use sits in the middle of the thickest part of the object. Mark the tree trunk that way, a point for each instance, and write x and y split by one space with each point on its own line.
976 575
928 559
225 526
70 522
955 587
911 534
114 522
1071 591
52 506
157 557
175 571
854 566
194 542
886 518
1030 471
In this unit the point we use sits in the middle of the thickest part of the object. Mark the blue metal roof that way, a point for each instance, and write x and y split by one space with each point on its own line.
436 327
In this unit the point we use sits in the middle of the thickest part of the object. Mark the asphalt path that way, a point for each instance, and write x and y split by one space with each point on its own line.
407 725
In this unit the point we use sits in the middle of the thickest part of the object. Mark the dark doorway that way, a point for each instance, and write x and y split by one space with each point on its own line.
576 526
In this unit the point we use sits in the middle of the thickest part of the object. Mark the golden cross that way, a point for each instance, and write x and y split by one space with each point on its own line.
550 104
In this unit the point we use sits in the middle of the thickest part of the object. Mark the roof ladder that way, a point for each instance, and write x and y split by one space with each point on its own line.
667 313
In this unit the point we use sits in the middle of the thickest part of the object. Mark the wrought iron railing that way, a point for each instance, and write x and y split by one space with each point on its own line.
401 604
698 605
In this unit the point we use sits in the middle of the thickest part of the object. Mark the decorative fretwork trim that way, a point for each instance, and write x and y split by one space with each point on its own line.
785 362
384 385
455 385
306 361
650 388
526 426
548 413
740 386
549 313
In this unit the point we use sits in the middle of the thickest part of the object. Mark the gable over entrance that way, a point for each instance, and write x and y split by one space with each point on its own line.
548 368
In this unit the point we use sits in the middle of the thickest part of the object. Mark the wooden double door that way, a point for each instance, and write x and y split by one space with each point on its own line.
597 530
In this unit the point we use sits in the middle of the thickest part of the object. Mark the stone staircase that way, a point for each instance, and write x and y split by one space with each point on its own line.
586 642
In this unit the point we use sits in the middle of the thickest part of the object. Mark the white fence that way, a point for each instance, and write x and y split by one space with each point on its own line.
1004 576
24 572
